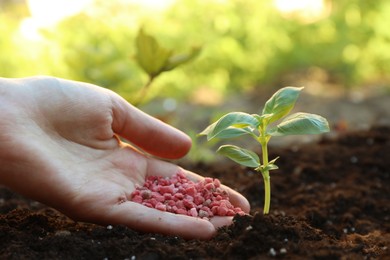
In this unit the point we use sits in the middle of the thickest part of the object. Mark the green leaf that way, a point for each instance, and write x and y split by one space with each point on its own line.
281 103
232 132
273 161
150 55
180 59
240 155
300 124
263 119
234 119
269 167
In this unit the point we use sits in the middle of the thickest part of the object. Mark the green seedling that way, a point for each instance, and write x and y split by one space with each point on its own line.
260 127
155 59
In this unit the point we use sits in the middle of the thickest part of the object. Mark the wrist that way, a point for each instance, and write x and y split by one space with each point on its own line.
8 116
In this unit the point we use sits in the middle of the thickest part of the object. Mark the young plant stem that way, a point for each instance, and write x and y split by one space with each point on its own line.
266 177
267 191
143 91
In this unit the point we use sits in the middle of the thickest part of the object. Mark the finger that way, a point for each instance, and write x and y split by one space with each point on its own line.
219 222
166 169
141 218
150 134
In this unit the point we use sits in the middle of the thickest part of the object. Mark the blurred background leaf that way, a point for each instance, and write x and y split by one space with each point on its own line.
247 44
249 48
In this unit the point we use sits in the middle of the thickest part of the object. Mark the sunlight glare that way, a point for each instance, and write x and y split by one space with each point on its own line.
154 5
304 10
47 13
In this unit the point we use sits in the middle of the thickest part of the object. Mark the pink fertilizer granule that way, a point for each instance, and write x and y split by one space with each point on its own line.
179 195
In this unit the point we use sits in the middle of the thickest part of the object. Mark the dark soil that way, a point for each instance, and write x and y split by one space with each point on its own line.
330 200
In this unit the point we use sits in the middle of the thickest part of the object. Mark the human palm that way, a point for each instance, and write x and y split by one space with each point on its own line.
61 144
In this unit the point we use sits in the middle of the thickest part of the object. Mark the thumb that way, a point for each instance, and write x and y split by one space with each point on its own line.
146 132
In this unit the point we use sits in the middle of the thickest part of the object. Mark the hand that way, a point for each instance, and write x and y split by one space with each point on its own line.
59 144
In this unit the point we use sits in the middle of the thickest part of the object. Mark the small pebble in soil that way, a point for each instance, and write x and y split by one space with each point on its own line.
354 159
283 250
109 227
249 228
272 252
281 213
178 194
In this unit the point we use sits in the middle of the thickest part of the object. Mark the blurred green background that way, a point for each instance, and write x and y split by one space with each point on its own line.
249 47
247 44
